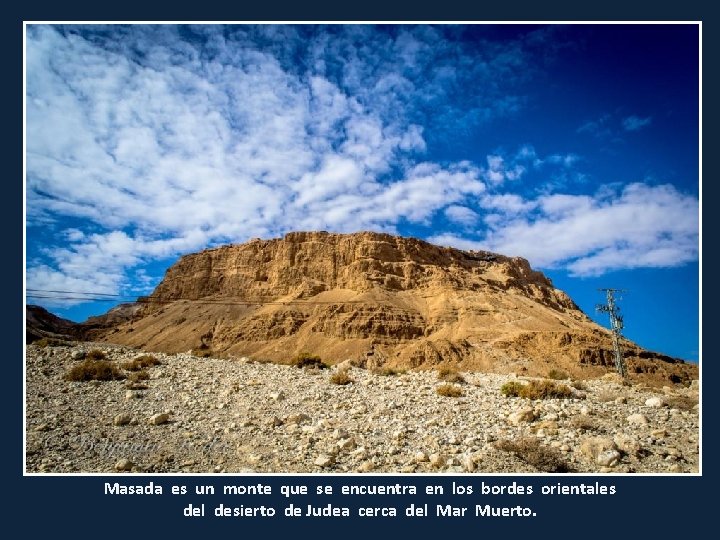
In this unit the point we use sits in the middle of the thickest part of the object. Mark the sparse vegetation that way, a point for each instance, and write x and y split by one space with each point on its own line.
138 376
202 353
341 377
532 452
386 371
449 375
449 390
684 403
537 390
579 385
585 423
95 354
141 362
558 375
47 342
94 370
306 360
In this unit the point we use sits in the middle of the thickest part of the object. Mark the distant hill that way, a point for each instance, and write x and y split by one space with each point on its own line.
375 299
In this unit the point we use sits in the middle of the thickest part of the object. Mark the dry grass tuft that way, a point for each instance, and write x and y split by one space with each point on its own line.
537 390
141 362
94 370
558 375
341 377
532 452
449 390
449 375
306 360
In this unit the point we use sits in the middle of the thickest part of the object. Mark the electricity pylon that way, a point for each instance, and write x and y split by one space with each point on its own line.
616 326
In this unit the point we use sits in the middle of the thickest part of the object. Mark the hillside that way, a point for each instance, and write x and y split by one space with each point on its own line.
376 299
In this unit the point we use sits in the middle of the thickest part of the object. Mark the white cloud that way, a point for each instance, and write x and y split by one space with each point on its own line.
642 226
635 123
461 215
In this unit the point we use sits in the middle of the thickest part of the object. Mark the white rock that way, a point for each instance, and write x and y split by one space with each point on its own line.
526 414
122 419
437 460
654 402
637 419
277 396
324 460
421 457
124 465
158 419
608 458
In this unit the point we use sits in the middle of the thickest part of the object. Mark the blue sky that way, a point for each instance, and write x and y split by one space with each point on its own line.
574 146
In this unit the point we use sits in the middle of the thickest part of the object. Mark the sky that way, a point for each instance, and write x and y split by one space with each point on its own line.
573 146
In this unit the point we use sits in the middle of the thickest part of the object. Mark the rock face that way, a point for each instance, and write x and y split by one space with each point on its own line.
375 299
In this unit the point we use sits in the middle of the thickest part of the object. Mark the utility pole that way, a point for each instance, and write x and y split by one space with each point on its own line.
616 326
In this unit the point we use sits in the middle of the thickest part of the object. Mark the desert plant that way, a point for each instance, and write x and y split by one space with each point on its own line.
511 388
449 390
585 423
138 376
47 342
306 360
386 371
94 370
202 353
341 377
537 390
532 452
449 375
579 385
141 362
558 375
95 354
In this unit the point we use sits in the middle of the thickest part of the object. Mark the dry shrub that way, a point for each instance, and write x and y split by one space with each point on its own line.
138 376
532 452
306 360
449 390
48 342
387 371
684 403
449 375
202 353
586 423
141 362
95 354
341 377
558 375
537 390
579 385
94 370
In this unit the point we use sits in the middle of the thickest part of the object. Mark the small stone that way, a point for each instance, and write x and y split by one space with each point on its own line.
124 465
659 433
437 460
468 463
43 427
277 396
595 447
366 466
621 400
158 419
421 457
628 444
324 460
608 458
637 419
654 402
122 419
131 394
78 354
346 444
526 414
300 418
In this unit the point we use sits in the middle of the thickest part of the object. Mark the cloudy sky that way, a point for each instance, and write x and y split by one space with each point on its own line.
573 146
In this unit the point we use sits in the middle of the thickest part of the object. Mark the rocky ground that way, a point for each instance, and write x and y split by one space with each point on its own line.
233 415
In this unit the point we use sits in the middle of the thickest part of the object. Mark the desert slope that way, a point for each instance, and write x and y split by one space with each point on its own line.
376 299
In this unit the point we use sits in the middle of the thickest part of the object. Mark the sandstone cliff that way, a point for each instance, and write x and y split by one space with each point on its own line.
377 299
